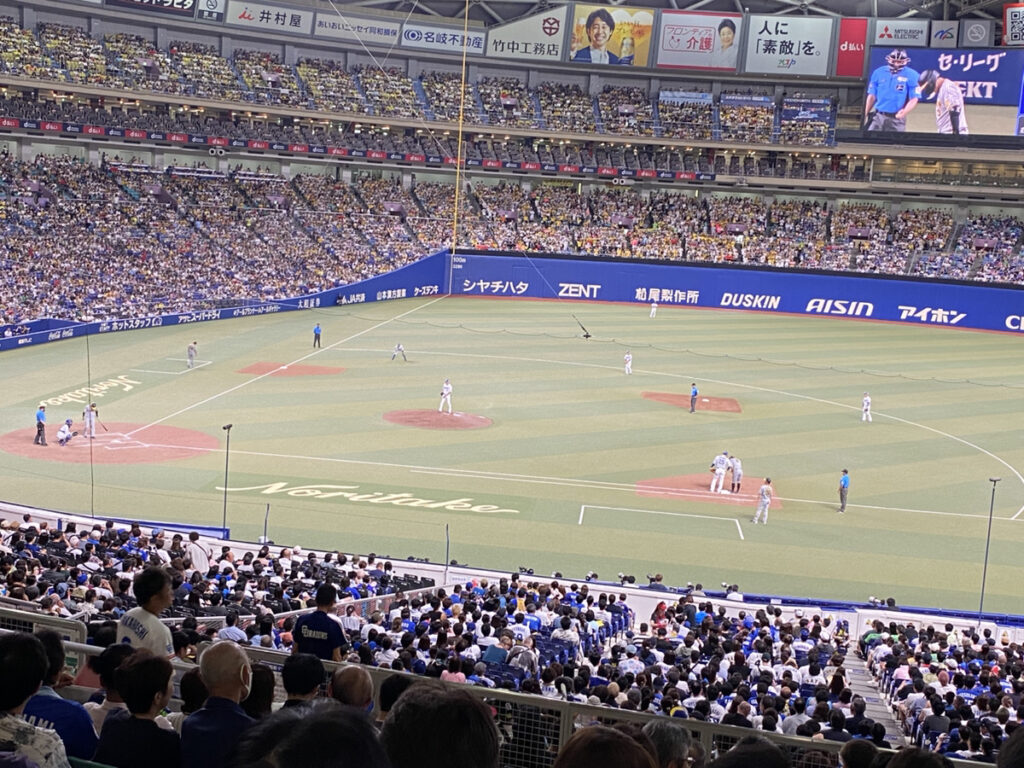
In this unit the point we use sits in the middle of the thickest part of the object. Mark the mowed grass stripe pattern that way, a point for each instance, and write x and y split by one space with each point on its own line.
569 428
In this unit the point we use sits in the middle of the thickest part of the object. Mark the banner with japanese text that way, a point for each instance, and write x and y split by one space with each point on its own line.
442 39
613 35
182 9
357 29
699 40
851 52
788 45
271 18
536 38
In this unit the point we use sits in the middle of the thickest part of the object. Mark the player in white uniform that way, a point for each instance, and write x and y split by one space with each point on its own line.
89 416
64 434
628 360
399 350
719 464
190 353
764 500
654 309
446 396
866 408
737 473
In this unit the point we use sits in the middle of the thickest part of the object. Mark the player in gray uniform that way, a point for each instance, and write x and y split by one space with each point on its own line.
764 500
719 464
737 473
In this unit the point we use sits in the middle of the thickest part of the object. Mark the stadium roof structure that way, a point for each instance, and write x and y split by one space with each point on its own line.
491 12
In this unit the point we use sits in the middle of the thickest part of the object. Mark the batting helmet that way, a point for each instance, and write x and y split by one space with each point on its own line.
897 59
927 82
68 422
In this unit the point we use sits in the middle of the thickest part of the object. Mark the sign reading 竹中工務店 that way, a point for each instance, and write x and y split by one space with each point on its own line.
788 45
275 18
541 36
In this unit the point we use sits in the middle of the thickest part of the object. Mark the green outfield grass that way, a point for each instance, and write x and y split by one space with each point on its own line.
570 433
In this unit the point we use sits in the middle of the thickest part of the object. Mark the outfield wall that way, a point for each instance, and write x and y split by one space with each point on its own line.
891 299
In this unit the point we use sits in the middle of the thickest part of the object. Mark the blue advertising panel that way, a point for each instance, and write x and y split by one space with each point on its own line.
985 76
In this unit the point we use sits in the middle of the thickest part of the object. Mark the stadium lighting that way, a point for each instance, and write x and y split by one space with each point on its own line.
988 541
227 456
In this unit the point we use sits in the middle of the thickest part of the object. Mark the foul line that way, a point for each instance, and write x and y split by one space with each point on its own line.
254 379
584 507
198 364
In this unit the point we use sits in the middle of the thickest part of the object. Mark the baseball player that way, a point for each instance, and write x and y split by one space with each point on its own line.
64 434
844 488
40 425
865 413
693 397
399 350
737 473
89 416
719 464
654 309
190 353
764 500
628 360
949 102
892 93
446 396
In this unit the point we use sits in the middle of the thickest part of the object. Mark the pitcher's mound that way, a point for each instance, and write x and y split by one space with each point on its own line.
697 488
280 369
426 419
726 404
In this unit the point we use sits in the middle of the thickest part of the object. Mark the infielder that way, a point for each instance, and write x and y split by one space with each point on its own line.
446 396
719 464
654 309
737 473
949 102
764 501
865 413
190 353
892 93
844 488
89 416
628 360
399 350
64 434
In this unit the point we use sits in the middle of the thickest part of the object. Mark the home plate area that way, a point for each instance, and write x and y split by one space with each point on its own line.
697 488
723 404
121 444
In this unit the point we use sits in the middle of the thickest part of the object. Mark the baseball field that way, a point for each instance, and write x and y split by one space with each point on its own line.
554 458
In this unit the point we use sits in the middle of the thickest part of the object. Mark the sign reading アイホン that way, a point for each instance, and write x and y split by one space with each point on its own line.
352 493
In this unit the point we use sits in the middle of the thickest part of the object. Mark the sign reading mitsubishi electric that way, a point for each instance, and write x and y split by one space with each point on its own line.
540 37
275 18
788 45
902 33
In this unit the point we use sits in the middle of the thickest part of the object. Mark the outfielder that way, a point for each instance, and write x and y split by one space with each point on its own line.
865 414
654 309
628 360
190 353
764 501
737 473
719 464
64 434
89 416
949 102
399 350
446 396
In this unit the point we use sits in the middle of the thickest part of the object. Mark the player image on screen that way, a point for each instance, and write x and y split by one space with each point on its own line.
949 102
892 93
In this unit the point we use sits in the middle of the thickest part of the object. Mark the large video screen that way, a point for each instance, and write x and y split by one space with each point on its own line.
945 91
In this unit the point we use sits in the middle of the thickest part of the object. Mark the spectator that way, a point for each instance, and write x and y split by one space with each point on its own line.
671 741
598 746
259 703
302 674
353 687
230 631
23 668
209 736
857 753
144 682
317 632
107 665
193 696
140 627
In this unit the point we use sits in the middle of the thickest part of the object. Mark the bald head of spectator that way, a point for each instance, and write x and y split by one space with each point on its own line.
352 686
225 670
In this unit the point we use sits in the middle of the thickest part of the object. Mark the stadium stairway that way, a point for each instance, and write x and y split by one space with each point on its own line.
863 684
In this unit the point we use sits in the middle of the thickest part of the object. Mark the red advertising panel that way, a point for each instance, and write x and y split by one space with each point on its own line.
852 48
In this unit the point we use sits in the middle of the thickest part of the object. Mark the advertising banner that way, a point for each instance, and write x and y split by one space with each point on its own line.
212 10
943 34
611 35
540 37
990 76
442 39
788 45
184 9
917 302
699 40
905 33
977 33
336 26
851 51
1013 24
264 16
